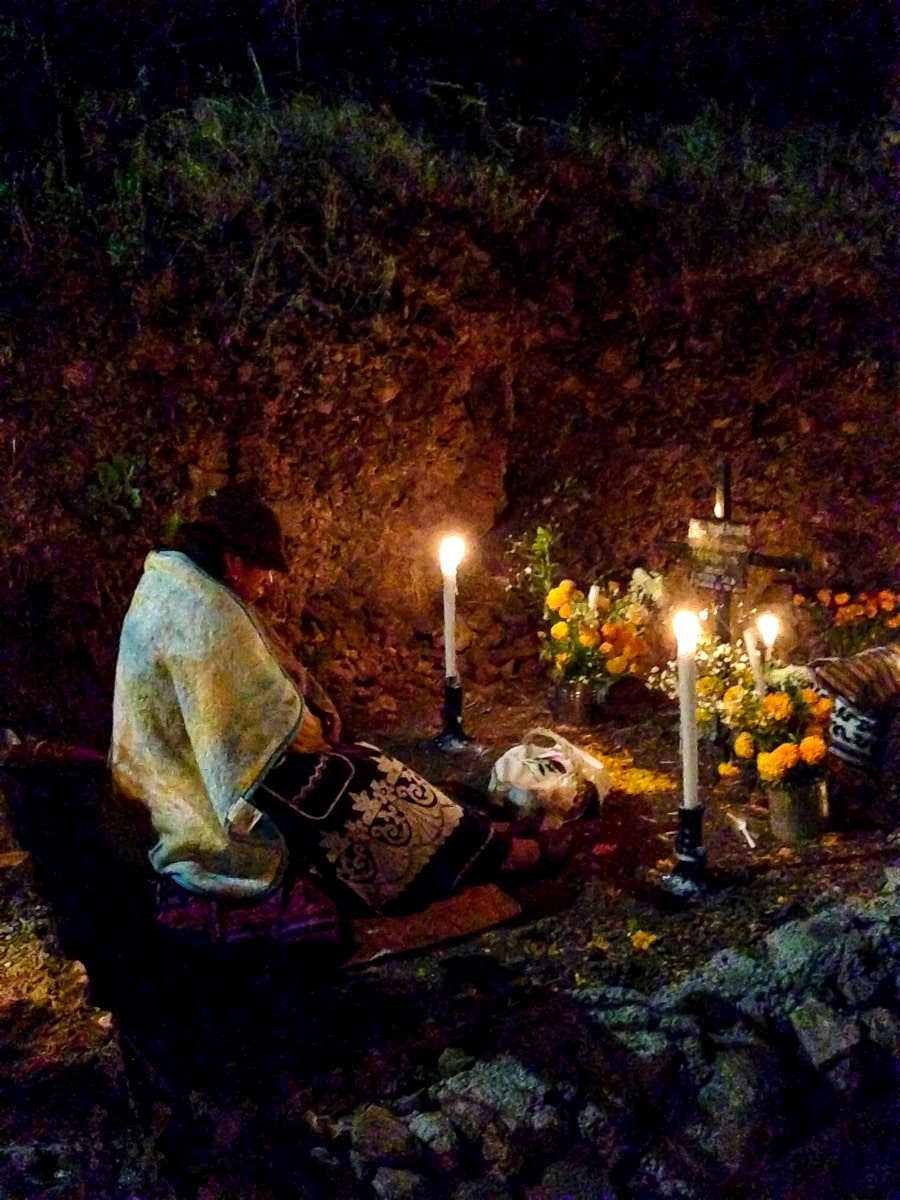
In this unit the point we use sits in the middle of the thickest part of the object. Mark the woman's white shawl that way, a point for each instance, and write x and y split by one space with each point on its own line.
201 710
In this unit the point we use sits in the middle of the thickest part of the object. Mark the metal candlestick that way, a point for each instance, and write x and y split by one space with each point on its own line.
452 737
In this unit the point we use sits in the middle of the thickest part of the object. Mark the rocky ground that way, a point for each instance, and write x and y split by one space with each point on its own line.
252 1075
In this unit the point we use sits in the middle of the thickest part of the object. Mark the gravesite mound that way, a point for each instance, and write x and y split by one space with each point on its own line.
641 366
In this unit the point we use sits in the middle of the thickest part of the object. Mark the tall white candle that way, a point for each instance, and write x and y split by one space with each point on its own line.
769 626
756 670
451 552
687 631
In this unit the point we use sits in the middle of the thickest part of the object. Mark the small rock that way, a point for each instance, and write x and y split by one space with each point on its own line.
378 1136
394 1183
824 1034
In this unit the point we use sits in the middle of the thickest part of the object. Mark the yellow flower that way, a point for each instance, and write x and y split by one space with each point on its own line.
769 768
894 622
729 770
789 753
565 610
813 750
617 665
561 660
842 598
886 601
560 630
822 709
778 706
706 686
555 598
588 637
744 745
824 596
810 697
606 647
733 696
798 599
641 940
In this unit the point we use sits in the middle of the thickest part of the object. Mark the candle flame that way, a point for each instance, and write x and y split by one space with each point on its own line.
768 626
451 553
687 630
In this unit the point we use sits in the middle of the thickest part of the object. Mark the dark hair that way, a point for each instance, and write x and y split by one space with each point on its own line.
204 545
233 520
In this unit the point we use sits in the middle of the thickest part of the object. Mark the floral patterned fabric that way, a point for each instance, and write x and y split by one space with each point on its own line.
377 836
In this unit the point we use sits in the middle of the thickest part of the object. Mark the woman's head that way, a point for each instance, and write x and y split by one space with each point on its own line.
237 539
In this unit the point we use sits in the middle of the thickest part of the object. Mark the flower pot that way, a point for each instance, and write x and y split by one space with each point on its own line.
574 703
798 813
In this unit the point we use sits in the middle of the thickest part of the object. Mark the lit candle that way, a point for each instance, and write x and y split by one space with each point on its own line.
687 631
768 626
755 664
452 550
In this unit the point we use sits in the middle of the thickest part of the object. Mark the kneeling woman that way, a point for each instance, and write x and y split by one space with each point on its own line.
235 751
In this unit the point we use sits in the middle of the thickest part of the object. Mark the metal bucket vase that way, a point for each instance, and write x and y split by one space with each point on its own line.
798 813
574 704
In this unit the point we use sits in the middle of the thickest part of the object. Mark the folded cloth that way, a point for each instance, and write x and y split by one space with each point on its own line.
297 912
869 680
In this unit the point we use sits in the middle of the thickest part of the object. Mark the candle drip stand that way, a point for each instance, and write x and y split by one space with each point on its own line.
688 878
452 737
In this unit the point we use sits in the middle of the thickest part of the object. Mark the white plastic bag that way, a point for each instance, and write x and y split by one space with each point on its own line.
545 775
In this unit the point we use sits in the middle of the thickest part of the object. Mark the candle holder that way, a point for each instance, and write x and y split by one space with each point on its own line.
452 737
689 877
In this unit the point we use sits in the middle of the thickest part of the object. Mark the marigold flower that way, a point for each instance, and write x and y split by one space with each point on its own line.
588 637
729 770
560 630
813 750
606 647
823 595
893 622
609 629
565 610
733 696
617 665
567 586
561 660
823 708
744 746
810 696
778 706
555 597
641 940
798 599
871 609
788 754
769 768
842 598
886 601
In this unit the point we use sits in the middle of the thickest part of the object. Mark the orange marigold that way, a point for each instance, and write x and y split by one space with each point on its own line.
778 706
813 750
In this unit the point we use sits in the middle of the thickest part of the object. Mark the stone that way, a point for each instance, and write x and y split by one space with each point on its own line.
824 1034
578 1176
378 1136
499 1089
395 1183
743 1103
883 1029
435 1131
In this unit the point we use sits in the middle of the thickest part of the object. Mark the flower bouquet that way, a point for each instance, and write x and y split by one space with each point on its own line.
782 739
848 623
721 666
599 637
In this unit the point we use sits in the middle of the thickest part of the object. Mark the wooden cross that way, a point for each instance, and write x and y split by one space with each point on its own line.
719 552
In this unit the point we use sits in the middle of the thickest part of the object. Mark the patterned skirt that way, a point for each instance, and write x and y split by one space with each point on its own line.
376 836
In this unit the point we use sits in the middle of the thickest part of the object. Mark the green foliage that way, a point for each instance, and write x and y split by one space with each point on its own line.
533 570
111 493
